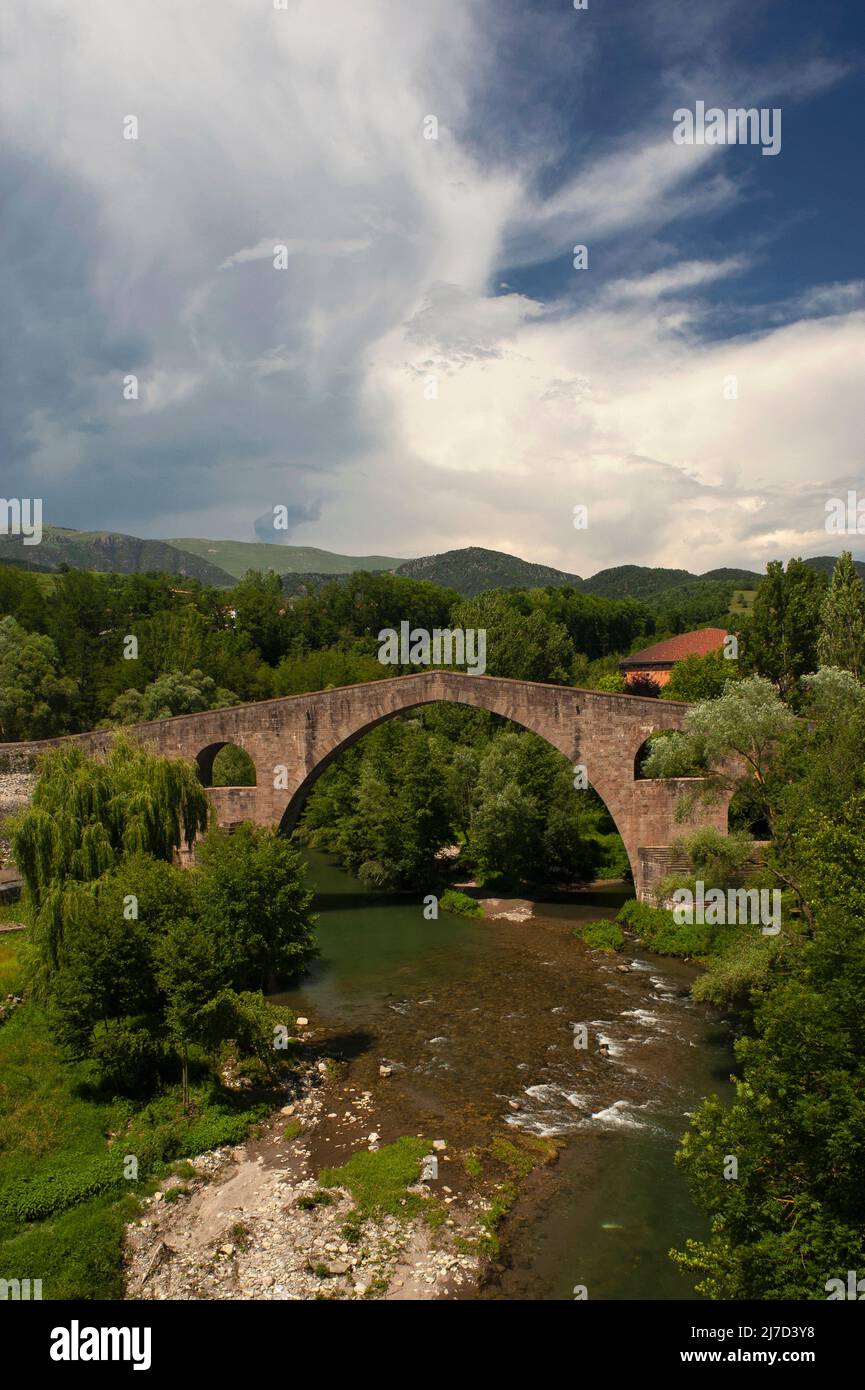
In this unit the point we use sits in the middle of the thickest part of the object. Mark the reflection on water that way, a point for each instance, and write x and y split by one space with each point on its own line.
479 1021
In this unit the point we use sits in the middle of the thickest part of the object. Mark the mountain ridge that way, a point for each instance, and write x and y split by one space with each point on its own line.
470 570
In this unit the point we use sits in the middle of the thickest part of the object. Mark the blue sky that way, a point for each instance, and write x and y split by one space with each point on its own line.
429 370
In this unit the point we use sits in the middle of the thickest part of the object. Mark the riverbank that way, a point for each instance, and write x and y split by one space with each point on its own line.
256 1222
554 1165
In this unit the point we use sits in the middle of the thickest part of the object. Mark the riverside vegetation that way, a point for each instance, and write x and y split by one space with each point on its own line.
130 1020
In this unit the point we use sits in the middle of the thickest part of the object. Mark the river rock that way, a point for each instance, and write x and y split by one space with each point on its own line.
439 1144
302 1022
385 1070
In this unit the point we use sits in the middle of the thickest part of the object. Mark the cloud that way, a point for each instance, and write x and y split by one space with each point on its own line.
294 246
428 370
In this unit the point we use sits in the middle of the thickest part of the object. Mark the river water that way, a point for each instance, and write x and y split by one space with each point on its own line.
478 1017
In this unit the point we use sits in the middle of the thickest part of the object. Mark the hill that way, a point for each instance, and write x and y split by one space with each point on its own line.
107 552
236 557
825 564
643 581
473 570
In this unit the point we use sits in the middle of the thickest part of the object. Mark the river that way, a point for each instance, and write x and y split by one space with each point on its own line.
478 1020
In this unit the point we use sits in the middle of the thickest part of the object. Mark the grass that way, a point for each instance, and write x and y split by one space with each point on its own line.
473 1166
293 1130
378 1181
315 1199
10 968
76 1254
64 1197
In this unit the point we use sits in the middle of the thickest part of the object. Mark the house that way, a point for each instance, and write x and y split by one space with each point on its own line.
655 663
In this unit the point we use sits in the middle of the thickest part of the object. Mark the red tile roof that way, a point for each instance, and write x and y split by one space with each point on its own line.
707 639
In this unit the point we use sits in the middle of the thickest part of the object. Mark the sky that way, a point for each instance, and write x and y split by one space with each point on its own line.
426 368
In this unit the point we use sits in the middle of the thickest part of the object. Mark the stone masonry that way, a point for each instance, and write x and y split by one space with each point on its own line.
292 740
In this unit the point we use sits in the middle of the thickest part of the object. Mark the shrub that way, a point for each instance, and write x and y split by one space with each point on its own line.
658 931
454 901
602 936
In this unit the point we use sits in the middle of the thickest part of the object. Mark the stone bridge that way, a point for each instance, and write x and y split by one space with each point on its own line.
291 741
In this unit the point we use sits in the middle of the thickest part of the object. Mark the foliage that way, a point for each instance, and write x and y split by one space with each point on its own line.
461 903
742 970
781 633
87 816
658 932
34 698
522 645
671 753
170 694
700 678
842 639
233 767
602 936
255 903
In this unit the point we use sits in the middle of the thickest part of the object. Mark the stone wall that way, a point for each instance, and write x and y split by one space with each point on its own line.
17 780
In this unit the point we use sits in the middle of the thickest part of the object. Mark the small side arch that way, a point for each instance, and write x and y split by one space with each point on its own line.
685 767
225 765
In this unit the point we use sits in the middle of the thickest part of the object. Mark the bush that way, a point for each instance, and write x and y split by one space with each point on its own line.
740 973
602 936
454 901
658 931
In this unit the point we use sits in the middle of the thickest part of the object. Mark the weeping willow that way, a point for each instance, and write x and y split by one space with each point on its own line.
86 816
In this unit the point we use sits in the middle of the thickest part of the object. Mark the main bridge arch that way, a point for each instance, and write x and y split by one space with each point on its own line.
291 741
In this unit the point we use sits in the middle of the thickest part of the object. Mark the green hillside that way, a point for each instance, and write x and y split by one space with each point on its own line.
824 564
473 569
108 552
645 581
236 557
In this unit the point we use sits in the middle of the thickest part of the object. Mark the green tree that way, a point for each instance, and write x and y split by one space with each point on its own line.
780 638
260 606
747 724
700 678
170 694
86 816
104 999
795 1215
255 904
35 701
842 640
233 767
524 646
